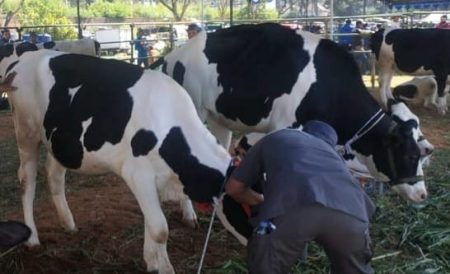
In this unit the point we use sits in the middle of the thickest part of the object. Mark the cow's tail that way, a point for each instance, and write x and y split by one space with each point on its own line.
157 63
376 40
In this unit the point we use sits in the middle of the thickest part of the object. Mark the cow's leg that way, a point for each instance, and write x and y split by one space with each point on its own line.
56 182
441 101
188 212
385 74
222 133
28 154
142 184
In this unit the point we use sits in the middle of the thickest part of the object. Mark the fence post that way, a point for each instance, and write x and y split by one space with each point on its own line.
172 37
132 44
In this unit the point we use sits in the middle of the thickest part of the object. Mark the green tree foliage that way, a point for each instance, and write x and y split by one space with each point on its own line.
47 12
111 9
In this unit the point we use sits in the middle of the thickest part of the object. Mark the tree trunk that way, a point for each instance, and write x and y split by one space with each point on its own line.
11 13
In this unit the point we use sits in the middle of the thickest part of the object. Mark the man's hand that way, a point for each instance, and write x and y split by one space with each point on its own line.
242 193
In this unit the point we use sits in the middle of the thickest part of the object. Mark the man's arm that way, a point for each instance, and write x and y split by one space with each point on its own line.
242 193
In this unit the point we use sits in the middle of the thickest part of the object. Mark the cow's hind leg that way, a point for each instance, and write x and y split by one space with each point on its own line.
28 154
56 182
222 134
142 184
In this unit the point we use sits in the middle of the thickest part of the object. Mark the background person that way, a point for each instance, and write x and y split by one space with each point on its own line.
443 24
6 37
308 195
193 29
346 40
140 45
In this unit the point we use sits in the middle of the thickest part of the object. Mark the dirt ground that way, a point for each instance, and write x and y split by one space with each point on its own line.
110 227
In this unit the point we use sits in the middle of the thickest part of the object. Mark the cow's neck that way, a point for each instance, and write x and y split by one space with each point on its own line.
372 139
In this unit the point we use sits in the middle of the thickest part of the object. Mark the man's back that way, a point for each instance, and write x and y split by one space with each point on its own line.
300 170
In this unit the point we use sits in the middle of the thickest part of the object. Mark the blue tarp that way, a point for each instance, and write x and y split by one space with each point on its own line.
420 4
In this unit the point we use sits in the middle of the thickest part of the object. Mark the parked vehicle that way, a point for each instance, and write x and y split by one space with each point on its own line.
41 37
113 41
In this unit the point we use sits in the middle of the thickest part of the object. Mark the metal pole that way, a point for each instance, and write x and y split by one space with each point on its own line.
80 32
231 13
332 20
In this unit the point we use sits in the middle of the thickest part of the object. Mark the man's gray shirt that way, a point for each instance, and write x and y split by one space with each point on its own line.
300 170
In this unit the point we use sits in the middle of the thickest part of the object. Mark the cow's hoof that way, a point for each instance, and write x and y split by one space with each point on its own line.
192 223
32 242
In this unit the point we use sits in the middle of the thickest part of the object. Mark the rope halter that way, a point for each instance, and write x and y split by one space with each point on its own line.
371 123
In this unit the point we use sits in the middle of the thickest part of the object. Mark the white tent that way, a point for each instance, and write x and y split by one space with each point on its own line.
432 18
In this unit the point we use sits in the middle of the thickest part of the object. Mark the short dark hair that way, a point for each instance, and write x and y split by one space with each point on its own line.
444 16
5 30
194 26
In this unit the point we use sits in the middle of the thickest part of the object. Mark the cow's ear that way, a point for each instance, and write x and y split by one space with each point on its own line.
24 47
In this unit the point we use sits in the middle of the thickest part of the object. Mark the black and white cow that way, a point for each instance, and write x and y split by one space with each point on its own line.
259 78
96 116
414 51
82 46
419 90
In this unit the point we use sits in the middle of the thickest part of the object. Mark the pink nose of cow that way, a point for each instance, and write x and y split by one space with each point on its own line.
422 196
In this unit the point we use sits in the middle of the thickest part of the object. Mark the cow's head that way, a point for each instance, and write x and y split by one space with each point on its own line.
401 154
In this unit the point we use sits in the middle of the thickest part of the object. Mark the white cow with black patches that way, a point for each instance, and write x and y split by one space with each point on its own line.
85 46
413 51
96 116
260 78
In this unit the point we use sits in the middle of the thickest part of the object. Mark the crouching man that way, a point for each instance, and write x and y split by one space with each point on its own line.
309 195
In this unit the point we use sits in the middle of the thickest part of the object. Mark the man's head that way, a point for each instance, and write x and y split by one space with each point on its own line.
322 131
6 34
348 22
33 38
444 18
193 29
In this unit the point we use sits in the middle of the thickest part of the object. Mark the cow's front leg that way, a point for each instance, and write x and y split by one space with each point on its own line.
143 185
188 212
56 182
28 154
222 133
442 94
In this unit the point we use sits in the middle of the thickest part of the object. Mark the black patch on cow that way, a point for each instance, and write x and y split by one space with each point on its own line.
143 141
236 216
49 45
6 51
200 182
255 64
339 96
24 47
406 91
376 40
178 72
102 96
11 66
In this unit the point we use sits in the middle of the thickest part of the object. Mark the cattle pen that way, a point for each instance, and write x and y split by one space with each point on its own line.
406 239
